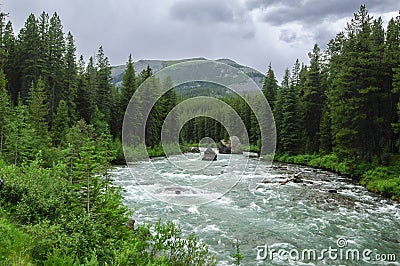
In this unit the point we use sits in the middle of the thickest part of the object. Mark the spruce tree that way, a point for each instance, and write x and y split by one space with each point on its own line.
29 55
84 99
38 110
358 122
288 116
103 85
11 62
61 123
20 136
129 84
270 86
56 65
313 101
70 91
5 111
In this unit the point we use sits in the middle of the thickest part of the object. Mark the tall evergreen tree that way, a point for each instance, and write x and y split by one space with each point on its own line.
85 98
29 55
61 123
128 88
70 91
129 84
91 79
288 116
38 110
2 30
270 86
103 85
11 62
358 124
313 101
20 136
392 62
5 110
56 81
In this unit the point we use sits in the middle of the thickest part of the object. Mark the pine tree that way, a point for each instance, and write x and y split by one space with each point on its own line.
61 123
154 121
70 92
270 86
392 62
103 85
38 110
5 111
396 89
86 184
2 29
29 55
129 84
313 101
56 65
295 77
288 117
168 102
358 123
20 136
43 28
84 101
11 66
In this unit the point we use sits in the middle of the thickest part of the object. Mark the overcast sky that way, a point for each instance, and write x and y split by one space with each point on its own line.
251 32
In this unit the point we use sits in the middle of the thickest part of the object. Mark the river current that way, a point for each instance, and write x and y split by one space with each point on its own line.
324 220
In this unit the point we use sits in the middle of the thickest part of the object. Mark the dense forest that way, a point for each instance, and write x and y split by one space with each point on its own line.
60 131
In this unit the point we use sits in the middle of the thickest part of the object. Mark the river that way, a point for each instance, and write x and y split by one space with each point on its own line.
324 220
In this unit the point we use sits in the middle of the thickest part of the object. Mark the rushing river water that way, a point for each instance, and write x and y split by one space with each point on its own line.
324 220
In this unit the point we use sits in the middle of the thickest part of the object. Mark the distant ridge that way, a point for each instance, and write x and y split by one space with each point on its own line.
156 65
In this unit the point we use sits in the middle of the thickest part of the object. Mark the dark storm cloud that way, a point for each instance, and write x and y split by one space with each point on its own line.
312 12
315 17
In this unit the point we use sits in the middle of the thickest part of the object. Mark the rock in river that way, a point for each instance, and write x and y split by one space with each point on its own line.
209 155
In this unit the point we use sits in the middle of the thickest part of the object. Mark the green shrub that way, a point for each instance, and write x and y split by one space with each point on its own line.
15 245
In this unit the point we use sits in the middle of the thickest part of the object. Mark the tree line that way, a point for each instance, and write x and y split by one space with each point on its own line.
346 100
60 130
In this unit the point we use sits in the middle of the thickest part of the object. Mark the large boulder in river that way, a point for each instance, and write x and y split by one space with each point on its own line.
236 145
209 155
233 145
223 148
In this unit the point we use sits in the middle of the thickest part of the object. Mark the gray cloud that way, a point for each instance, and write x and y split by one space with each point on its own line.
287 36
312 12
314 16
251 32
202 11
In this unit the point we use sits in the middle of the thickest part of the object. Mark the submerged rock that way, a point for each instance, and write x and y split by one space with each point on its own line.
209 155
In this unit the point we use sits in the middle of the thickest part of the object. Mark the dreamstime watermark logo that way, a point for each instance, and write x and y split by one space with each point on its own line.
341 252
138 121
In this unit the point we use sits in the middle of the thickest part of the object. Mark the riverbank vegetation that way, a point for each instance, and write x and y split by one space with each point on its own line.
341 112
60 130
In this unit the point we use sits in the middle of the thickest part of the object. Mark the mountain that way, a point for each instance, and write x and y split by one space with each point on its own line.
195 88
